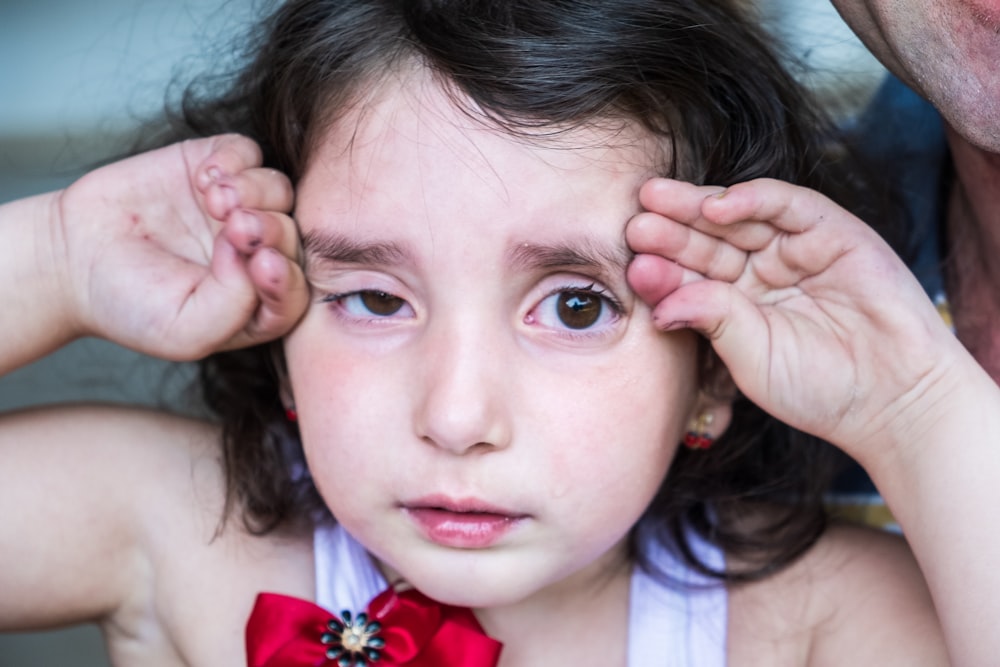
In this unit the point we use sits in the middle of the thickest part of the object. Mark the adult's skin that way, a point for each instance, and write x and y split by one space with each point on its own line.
948 51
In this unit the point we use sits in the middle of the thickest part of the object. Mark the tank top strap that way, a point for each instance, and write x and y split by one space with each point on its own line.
346 577
677 617
675 620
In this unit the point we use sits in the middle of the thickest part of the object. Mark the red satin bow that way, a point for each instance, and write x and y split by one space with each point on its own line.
409 629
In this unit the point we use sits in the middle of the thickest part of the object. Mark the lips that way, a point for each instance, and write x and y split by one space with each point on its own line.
467 524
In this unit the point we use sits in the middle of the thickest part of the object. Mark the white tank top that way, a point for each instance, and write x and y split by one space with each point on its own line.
676 624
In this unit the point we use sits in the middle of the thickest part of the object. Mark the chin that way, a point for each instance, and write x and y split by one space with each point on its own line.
478 594
477 588
981 132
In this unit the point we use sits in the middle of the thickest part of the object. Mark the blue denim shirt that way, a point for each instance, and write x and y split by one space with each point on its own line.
904 133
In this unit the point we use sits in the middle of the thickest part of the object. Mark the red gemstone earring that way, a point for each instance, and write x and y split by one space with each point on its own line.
291 415
699 436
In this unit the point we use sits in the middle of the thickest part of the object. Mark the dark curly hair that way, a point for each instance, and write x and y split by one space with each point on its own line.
699 75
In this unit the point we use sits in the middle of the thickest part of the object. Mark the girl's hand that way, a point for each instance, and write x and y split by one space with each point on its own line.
181 251
818 321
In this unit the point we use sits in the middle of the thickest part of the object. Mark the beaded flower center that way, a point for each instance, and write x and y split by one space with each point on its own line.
353 641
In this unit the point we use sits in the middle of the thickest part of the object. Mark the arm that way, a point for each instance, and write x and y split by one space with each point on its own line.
87 491
823 326
39 330
176 253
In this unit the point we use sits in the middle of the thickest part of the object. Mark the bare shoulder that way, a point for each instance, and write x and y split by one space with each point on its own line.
856 598
85 480
121 522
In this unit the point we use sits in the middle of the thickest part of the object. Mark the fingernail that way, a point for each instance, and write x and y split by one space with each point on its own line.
248 223
276 280
673 325
209 176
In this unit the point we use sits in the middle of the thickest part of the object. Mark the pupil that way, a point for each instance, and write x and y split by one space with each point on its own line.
579 310
380 303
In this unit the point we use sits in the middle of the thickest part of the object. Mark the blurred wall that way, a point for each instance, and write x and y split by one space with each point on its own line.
76 77
829 58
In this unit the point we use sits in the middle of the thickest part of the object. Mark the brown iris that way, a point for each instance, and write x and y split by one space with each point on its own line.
579 310
381 303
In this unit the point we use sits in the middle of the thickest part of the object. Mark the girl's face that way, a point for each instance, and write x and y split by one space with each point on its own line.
483 403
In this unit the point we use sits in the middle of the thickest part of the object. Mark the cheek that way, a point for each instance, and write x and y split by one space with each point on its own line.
619 427
601 478
335 386
340 404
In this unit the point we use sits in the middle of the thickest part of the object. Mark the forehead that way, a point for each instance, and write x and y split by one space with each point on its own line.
410 153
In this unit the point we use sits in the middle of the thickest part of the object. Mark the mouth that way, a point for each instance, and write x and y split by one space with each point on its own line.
465 524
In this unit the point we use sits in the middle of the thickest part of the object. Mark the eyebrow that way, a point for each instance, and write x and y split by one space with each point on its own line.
606 260
589 255
338 248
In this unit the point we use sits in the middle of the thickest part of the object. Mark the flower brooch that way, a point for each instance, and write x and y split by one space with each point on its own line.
353 641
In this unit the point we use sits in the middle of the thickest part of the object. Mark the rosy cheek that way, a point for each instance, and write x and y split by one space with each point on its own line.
330 386
344 411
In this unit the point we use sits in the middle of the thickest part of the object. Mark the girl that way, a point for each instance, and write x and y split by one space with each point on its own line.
469 405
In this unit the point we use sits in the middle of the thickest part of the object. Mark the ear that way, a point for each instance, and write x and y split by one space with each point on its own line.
713 409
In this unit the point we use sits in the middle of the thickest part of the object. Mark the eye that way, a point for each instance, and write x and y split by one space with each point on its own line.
576 309
363 304
380 303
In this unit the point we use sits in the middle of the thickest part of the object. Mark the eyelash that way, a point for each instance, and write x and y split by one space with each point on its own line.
593 288
373 318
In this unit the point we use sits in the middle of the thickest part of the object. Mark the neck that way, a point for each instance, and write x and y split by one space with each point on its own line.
973 226
571 622
978 190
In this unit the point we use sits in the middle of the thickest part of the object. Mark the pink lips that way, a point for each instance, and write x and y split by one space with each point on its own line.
461 524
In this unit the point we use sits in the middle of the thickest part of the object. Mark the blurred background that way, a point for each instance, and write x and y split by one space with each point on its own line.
77 78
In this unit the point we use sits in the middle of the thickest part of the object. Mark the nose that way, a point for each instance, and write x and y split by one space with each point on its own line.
463 405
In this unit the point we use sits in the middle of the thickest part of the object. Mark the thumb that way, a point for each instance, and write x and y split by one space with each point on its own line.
736 327
217 308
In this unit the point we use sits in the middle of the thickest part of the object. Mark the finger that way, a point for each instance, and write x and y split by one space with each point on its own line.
283 295
790 208
246 300
678 200
652 277
258 188
250 231
790 232
716 258
816 232
736 327
685 203
215 310
222 155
